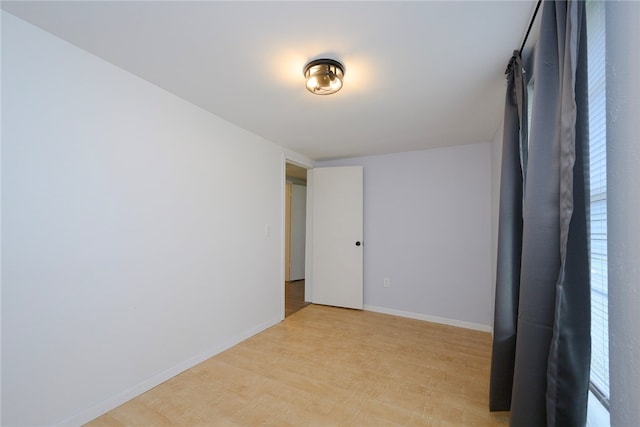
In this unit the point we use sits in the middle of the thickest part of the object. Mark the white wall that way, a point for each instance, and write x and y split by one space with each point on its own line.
298 231
623 209
131 247
428 228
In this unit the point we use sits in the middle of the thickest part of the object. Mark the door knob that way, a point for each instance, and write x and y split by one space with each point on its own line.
358 243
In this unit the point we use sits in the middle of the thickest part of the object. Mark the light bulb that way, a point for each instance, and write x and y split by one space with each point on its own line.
312 83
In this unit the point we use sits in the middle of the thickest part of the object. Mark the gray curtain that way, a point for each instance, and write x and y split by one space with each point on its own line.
552 345
514 155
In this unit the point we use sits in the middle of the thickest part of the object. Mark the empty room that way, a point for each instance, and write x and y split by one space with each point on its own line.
319 213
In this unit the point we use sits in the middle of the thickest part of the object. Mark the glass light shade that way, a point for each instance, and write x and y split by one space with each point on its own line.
324 76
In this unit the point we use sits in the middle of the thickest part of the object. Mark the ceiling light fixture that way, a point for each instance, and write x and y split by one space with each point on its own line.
324 76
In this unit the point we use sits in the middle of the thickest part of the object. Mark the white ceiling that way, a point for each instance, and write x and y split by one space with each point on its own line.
418 74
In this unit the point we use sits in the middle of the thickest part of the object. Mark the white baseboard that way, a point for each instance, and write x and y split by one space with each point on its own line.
117 400
434 319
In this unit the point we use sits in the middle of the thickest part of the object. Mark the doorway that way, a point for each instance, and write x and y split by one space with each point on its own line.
295 238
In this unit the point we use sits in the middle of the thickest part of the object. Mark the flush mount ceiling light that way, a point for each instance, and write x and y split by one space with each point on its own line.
324 76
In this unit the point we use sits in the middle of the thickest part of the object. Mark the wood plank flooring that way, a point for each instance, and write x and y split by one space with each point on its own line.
325 366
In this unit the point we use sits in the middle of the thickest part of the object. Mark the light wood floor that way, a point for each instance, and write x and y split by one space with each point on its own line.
326 366
293 297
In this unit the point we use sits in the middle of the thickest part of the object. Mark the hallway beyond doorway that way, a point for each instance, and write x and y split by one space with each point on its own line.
294 297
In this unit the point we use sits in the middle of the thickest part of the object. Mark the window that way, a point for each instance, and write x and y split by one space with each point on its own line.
598 201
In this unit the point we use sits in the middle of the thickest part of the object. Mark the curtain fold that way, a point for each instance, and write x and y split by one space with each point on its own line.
514 154
552 334
570 356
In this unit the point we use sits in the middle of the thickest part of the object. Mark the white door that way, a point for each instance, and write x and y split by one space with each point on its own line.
298 231
337 236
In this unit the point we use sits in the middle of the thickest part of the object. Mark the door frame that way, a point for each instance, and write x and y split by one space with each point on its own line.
308 165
